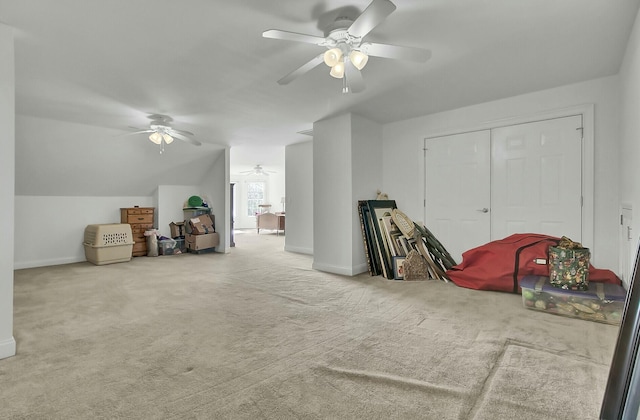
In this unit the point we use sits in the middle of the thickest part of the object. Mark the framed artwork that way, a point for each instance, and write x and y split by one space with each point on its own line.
378 209
398 268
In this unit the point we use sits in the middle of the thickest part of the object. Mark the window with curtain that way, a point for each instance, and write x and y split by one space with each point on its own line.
255 196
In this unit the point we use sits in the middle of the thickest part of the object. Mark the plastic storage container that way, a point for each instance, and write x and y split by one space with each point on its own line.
603 302
171 246
195 212
108 243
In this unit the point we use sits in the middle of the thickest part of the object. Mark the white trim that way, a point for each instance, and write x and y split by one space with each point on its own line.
588 156
19 265
298 249
7 348
345 271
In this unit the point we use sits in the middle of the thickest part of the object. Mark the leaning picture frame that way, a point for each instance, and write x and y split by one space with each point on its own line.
398 268
378 209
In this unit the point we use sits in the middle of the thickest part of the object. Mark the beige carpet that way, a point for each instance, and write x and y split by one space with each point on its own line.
258 334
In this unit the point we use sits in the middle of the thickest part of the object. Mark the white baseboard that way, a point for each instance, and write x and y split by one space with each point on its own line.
345 271
18 265
298 249
7 348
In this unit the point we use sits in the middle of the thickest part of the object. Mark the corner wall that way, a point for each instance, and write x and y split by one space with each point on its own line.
347 162
299 198
7 179
170 203
216 186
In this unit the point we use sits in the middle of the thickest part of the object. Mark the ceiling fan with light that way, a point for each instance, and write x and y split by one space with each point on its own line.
347 52
258 170
161 132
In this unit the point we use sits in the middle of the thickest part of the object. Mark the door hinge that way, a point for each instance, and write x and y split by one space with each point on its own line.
581 129
581 201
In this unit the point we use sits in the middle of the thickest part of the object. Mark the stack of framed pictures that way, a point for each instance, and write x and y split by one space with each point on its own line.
386 247
379 257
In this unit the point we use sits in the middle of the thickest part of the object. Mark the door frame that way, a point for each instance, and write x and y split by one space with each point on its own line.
588 156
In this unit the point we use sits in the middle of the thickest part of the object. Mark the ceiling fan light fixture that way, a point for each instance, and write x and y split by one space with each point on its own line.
167 138
155 137
337 71
359 59
332 57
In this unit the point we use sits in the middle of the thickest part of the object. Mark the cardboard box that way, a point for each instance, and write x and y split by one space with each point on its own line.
200 242
177 229
202 225
603 302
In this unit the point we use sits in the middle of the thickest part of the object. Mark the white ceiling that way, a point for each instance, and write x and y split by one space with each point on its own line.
110 63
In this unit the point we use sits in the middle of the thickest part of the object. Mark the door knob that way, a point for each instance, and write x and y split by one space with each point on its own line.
483 210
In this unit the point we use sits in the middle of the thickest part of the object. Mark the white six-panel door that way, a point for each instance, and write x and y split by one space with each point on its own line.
458 190
486 185
537 178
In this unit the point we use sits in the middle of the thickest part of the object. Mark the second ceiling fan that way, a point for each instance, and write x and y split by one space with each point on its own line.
347 53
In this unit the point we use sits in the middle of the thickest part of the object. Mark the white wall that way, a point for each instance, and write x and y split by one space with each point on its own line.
52 228
366 161
332 218
630 132
170 202
403 161
215 186
7 181
347 157
299 199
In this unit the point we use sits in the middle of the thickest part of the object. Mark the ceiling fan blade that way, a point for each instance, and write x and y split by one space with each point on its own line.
187 139
159 118
183 132
302 69
355 82
293 36
139 131
372 16
397 52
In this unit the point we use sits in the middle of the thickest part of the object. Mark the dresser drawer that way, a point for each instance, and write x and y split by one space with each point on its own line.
140 218
139 248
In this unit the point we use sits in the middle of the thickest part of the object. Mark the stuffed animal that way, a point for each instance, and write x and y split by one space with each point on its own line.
381 195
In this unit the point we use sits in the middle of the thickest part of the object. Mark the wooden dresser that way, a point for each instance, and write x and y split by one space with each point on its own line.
140 219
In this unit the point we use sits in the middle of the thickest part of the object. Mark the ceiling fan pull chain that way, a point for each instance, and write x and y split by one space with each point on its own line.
345 86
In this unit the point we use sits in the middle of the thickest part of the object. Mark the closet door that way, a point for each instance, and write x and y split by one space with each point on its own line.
457 204
537 178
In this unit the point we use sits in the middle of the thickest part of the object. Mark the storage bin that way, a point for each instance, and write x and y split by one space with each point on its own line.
190 213
108 243
171 246
603 302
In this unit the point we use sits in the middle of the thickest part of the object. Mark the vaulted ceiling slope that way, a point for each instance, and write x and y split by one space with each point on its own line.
109 64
